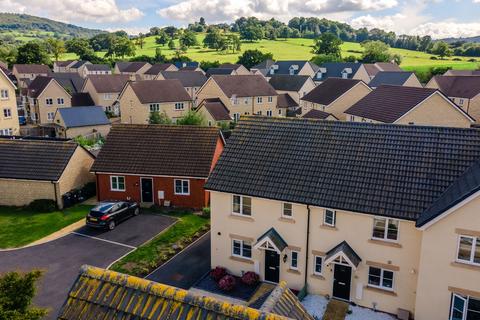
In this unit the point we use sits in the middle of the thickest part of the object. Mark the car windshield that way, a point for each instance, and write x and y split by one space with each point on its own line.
96 214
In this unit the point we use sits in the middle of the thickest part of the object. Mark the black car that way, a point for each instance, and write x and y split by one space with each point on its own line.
109 214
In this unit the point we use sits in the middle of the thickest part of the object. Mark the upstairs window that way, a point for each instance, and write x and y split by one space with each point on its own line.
385 229
294 260
49 101
270 99
7 113
259 99
179 106
468 249
60 101
329 217
4 94
287 211
242 205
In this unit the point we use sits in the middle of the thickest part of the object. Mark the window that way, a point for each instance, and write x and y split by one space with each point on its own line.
236 117
329 218
269 113
107 96
259 99
318 263
50 116
280 111
380 278
259 113
461 102
464 308
209 123
294 260
117 183
246 101
270 99
182 187
287 210
49 101
179 106
60 101
6 132
242 205
468 249
7 113
385 229
154 107
4 94
235 101
344 75
241 248
352 118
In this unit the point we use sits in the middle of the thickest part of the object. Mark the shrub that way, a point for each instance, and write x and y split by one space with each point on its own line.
206 212
433 58
227 283
472 60
218 273
42 205
456 59
250 278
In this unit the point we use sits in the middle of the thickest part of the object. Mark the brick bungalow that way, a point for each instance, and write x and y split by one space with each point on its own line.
158 164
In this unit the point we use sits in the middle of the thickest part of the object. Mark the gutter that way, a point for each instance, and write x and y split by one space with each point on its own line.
307 246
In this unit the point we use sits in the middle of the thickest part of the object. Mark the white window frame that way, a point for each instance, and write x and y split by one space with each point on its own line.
465 301
259 99
334 218
284 209
242 249
154 107
385 234
471 261
461 101
381 286
236 117
182 181
4 94
269 113
270 99
117 188
7 113
60 101
50 116
315 257
241 211
47 100
107 96
297 255
6 132
179 106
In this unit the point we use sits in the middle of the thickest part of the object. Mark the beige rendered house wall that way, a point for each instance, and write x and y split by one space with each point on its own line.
99 98
412 81
348 99
439 273
52 91
362 74
9 103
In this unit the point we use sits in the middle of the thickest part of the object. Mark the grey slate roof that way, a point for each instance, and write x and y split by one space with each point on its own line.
80 63
334 69
70 81
36 87
459 86
82 99
108 83
216 108
317 114
34 159
285 100
283 67
244 85
32 68
158 91
98 67
83 116
285 82
330 90
393 78
277 240
187 78
388 170
224 71
347 250
157 68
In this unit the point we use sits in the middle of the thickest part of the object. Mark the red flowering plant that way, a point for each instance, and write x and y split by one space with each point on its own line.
227 283
250 278
218 273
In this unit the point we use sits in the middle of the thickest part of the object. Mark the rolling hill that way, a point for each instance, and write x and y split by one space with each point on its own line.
468 40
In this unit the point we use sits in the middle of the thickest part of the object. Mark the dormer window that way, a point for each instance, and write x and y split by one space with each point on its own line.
344 75
319 75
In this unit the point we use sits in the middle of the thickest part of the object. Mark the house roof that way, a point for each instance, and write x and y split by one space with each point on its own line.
187 64
187 78
283 67
157 91
244 85
459 86
387 66
334 69
108 83
344 248
389 170
389 103
137 298
371 69
64 63
275 237
462 73
189 68
80 63
330 90
317 114
134 66
81 99
394 78
32 68
182 151
121 65
285 82
233 66
264 65
83 116
157 68
217 109
34 159
98 67
224 71
70 81
40 83
285 100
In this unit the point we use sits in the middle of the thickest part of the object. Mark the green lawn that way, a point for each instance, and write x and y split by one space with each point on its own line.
154 253
19 226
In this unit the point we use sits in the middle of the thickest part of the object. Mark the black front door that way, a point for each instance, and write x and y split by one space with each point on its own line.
342 276
272 266
147 189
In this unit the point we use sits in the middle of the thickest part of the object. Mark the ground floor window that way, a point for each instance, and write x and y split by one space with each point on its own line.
117 183
182 187
464 308
380 278
318 263
294 260
50 116
6 132
241 248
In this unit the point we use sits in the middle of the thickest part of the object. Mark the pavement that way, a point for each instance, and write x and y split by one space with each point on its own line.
187 267
62 258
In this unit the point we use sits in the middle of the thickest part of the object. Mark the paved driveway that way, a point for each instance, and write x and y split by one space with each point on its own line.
187 267
62 258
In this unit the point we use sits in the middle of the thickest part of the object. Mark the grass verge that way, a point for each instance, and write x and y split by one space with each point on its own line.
160 249
20 226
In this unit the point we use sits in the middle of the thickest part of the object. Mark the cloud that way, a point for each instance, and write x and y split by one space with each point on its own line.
370 22
440 30
73 11
227 10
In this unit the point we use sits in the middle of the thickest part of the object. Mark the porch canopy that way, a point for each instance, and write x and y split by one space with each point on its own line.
271 240
344 254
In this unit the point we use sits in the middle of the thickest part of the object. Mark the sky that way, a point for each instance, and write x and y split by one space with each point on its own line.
438 18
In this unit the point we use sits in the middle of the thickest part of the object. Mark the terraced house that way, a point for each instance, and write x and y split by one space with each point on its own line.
8 107
105 89
385 216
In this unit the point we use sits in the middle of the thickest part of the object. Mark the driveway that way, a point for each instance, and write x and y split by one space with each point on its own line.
187 267
62 258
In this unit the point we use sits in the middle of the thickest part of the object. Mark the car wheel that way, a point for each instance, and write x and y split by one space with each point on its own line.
111 225
136 212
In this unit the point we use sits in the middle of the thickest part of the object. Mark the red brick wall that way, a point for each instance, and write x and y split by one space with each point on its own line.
197 199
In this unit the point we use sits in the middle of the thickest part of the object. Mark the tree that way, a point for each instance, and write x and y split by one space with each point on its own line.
188 39
55 47
442 49
251 33
249 58
231 42
140 40
81 46
285 32
213 39
159 57
159 118
120 47
162 38
328 44
32 52
171 44
202 21
322 58
192 118
16 295
376 51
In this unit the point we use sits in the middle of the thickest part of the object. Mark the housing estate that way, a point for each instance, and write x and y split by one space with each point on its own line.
25 73
132 69
192 81
295 86
165 165
105 89
8 107
87 121
292 67
92 69
385 216
344 70
154 71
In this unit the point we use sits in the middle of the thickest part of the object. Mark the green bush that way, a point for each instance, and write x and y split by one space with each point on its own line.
42 205
433 58
206 212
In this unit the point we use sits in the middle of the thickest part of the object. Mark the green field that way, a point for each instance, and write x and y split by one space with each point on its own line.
297 49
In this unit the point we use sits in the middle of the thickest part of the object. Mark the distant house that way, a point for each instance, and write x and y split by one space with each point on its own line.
242 95
220 71
319 115
192 81
156 69
287 105
344 70
408 105
374 68
463 90
78 67
169 167
214 111
262 68
41 169
8 107
139 99
25 73
96 69
295 86
45 95
132 68
73 84
335 95
192 69
395 78
238 69
293 67
462 73
105 89
63 66
187 64
88 121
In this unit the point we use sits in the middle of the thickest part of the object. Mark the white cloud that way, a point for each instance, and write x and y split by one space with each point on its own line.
440 30
370 22
133 31
73 11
